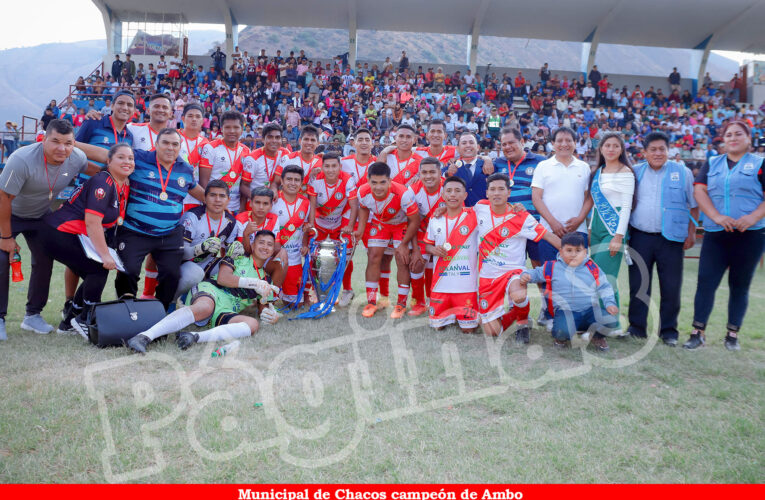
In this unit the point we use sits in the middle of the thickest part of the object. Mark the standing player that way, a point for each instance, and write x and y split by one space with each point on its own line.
222 159
333 210
436 135
207 229
452 239
395 224
293 210
218 301
308 162
503 234
192 143
427 196
264 164
260 218
404 164
160 114
356 164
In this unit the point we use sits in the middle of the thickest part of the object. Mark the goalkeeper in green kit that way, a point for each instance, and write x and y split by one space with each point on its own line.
218 301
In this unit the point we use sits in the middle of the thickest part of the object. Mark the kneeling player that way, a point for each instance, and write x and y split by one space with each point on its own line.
218 301
260 218
207 229
395 222
333 210
503 235
453 241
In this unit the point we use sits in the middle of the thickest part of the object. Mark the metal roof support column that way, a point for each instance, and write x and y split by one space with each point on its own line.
352 47
232 28
699 59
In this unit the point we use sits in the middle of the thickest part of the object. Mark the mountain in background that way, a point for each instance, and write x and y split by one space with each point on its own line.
31 76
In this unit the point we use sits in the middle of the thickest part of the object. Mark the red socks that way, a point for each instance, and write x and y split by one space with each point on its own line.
403 295
418 290
371 292
347 277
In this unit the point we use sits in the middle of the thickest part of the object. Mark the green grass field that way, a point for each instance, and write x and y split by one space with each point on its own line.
330 401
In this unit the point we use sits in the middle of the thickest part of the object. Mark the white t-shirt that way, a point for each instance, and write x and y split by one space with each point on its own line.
564 188
461 275
511 253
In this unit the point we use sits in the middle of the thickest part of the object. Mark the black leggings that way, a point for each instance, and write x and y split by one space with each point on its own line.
738 253
66 248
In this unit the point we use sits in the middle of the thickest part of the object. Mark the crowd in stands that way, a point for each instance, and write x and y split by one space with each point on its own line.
294 90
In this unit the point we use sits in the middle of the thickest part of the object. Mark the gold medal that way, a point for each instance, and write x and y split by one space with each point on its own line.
459 163
50 195
447 246
120 220
163 196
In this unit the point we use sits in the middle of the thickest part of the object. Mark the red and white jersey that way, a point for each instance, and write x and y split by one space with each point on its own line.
393 209
426 203
291 217
447 153
461 273
355 169
226 164
332 201
263 168
404 172
271 223
307 166
510 254
191 151
144 136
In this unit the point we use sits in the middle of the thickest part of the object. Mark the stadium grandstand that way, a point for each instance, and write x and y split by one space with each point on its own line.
344 93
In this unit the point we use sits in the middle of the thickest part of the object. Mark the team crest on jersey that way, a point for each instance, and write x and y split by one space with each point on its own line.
432 311
407 174
391 211
338 196
181 181
301 214
484 304
100 193
115 203
106 140
143 139
442 204
464 230
222 158
674 177
122 246
187 222
505 231
151 175
373 231
529 170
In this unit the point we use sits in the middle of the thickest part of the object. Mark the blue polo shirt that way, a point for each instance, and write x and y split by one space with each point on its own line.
521 176
146 213
100 133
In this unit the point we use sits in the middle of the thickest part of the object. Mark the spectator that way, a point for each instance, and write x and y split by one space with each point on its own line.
116 66
10 138
674 80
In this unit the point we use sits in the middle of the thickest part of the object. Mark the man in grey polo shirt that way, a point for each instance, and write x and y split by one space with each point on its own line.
31 180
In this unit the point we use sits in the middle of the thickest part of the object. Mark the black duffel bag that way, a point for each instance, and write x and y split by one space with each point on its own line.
114 323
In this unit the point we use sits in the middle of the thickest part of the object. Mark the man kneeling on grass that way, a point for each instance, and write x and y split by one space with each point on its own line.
574 288
218 301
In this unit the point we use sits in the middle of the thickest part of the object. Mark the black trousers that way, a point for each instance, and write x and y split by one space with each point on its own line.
167 252
667 256
42 266
67 249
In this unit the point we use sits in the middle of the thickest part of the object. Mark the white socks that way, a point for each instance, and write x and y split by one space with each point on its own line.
173 322
225 332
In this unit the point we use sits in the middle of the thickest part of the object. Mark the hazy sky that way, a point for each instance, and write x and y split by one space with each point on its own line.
75 20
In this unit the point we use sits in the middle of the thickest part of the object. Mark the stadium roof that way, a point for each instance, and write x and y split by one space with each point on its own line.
730 25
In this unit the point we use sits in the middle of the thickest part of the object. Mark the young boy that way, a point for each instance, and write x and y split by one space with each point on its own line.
333 210
260 218
453 241
574 283
217 302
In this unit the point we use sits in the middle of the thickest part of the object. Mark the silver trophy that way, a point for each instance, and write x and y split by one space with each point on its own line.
325 259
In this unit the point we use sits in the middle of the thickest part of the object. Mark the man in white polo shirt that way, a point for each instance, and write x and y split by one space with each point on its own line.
559 191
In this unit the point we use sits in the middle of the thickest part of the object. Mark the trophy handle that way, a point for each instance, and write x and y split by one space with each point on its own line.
314 230
350 242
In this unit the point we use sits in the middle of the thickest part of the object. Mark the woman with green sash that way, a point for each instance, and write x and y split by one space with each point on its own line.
613 191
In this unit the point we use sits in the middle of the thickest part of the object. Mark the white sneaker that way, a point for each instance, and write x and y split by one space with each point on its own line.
35 323
345 298
616 333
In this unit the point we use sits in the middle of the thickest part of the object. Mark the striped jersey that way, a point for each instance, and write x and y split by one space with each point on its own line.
148 214
101 133
521 174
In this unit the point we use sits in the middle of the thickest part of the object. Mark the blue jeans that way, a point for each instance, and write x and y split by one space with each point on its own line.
567 323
